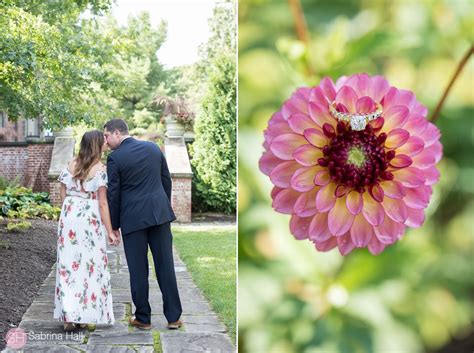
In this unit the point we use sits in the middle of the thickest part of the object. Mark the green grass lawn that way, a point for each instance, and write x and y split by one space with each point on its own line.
210 258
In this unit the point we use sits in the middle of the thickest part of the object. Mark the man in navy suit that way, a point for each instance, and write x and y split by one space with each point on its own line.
139 196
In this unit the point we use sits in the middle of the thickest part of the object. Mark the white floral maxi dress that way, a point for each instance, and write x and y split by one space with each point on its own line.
83 293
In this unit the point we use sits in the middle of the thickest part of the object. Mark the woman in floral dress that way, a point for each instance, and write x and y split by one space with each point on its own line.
83 294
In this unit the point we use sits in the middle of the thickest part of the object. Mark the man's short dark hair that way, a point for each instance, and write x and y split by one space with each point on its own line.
117 124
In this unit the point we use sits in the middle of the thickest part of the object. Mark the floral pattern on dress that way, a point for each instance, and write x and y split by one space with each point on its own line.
83 292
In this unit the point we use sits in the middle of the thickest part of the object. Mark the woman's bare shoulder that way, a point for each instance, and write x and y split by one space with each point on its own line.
96 168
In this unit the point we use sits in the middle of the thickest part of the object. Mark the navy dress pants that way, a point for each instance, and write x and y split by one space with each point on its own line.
160 240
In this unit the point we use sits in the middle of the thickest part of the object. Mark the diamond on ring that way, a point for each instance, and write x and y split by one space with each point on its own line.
358 121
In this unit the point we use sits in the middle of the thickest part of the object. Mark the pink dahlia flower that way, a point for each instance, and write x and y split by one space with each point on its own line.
345 187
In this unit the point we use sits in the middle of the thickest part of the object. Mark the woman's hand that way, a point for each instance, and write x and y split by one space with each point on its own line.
113 239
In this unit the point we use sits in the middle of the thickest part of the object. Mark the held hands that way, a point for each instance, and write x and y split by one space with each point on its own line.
114 237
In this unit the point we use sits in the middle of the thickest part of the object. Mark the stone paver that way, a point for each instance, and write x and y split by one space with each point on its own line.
195 342
202 330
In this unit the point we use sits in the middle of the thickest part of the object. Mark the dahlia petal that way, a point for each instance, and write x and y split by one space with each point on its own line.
326 245
416 124
352 81
303 179
307 155
294 105
377 124
361 231
328 87
378 88
348 97
267 162
322 177
391 98
431 134
365 105
316 137
396 138
395 209
299 226
354 202
341 108
341 190
305 205
406 98
300 122
341 81
410 177
282 173
325 199
317 96
372 210
320 115
417 197
425 159
303 93
275 191
412 147
416 217
362 85
432 175
420 109
395 117
318 228
275 130
345 244
437 150
284 145
339 218
388 231
276 118
375 246
429 156
401 161
284 201
376 192
393 189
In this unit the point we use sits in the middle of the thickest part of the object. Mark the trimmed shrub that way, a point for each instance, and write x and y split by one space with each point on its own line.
214 149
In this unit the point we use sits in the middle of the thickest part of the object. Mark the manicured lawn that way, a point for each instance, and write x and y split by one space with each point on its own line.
210 258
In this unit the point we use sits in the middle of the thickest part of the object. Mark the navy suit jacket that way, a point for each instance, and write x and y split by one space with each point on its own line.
139 188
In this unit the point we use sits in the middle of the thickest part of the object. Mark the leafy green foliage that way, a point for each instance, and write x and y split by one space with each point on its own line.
21 203
214 150
18 226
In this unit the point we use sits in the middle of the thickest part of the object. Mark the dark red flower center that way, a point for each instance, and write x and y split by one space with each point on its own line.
356 159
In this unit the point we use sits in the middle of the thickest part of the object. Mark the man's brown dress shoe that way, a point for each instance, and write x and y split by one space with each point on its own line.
175 325
134 322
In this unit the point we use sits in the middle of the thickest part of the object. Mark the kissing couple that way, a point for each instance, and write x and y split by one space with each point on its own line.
128 199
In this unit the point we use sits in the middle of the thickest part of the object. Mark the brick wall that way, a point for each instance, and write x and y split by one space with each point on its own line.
13 162
181 198
27 161
39 160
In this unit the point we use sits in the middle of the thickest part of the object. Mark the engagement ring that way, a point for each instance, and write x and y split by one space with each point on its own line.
358 121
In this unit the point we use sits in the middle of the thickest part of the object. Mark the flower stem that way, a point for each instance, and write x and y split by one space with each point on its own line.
461 65
301 28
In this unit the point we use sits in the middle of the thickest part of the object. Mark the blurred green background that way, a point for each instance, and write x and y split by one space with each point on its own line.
417 296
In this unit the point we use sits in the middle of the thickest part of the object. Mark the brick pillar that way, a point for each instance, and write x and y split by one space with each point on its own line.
181 175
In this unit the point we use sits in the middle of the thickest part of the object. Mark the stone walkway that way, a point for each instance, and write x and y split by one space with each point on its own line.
202 330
